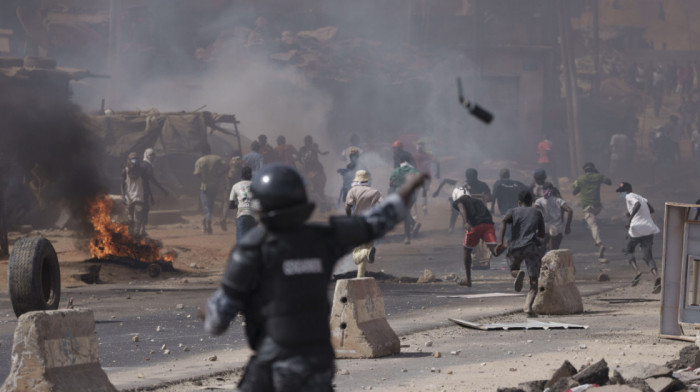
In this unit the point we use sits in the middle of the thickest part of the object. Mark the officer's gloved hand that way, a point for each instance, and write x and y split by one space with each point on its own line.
220 311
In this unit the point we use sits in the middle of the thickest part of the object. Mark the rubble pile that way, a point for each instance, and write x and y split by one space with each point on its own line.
677 375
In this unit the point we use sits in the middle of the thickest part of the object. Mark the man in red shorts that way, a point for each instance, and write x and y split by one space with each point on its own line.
478 225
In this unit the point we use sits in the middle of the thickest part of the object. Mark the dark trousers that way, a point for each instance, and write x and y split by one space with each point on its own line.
244 224
646 243
276 369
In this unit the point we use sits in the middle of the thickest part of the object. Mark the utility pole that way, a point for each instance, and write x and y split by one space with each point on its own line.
596 49
113 45
567 56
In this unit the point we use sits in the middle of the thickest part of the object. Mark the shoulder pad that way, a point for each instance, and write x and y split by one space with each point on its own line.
253 238
242 271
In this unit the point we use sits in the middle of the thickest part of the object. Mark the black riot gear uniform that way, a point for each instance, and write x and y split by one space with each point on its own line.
278 276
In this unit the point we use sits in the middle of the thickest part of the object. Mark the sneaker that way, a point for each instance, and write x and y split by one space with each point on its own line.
657 286
416 228
518 284
635 280
372 253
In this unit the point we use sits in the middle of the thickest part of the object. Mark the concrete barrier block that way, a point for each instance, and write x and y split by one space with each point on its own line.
56 351
558 293
358 322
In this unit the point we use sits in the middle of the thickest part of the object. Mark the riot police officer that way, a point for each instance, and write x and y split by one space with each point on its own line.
278 276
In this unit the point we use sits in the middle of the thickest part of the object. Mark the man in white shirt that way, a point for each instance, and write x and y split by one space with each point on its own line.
362 197
640 229
553 208
240 199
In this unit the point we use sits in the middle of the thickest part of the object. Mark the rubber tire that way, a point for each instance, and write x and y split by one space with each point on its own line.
34 276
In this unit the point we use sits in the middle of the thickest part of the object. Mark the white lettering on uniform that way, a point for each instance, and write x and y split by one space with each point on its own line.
302 267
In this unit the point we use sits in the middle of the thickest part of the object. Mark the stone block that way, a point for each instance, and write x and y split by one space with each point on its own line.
558 293
597 373
639 370
664 384
566 370
358 322
56 351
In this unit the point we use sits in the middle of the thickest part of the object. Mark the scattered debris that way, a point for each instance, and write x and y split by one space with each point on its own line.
213 358
634 377
437 354
427 277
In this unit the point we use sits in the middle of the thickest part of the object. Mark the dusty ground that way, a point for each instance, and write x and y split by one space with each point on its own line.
621 333
486 358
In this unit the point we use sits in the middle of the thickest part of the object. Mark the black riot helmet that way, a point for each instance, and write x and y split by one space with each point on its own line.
280 194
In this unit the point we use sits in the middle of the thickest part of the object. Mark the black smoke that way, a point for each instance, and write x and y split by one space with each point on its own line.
48 157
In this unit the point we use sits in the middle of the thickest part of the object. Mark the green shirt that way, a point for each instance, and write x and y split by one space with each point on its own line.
589 187
210 169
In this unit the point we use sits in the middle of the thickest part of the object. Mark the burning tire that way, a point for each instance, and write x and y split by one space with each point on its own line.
34 276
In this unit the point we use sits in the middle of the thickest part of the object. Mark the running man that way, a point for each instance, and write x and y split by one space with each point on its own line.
527 232
640 230
588 185
478 225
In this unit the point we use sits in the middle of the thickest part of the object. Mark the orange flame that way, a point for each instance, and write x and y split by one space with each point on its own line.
113 238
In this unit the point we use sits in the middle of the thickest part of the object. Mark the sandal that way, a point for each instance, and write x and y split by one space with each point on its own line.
465 282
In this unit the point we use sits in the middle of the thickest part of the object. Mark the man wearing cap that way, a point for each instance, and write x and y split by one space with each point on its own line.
360 198
401 155
640 229
588 185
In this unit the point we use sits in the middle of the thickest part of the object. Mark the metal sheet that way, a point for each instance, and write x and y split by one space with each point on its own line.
530 324
485 295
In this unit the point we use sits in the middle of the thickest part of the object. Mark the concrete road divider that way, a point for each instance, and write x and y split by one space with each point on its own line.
56 351
558 293
358 323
